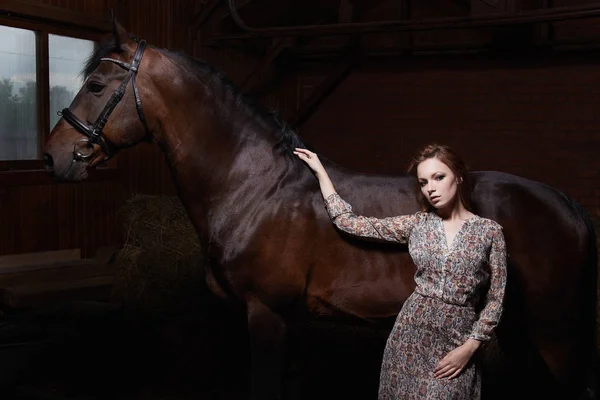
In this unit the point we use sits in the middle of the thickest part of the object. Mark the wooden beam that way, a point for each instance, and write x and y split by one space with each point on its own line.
483 7
544 32
42 12
199 19
324 90
42 61
239 4
279 45
345 11
585 11
464 4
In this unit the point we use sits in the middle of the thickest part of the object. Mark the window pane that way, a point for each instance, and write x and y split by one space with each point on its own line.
19 139
67 56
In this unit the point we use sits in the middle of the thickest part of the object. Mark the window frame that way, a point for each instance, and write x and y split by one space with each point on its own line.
31 172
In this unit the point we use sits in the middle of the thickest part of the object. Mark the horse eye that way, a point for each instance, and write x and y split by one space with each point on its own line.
95 87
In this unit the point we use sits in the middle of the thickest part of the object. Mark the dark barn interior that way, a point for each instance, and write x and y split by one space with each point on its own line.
99 279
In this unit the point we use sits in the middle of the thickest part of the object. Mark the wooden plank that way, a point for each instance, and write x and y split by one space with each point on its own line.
43 12
29 289
8 226
61 273
9 263
66 215
20 263
104 200
31 295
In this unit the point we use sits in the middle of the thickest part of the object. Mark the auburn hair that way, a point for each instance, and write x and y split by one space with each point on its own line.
456 164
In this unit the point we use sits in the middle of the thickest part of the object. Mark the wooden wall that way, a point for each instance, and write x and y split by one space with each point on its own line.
536 117
526 115
530 113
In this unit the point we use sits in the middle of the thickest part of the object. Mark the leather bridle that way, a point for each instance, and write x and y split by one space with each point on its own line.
94 132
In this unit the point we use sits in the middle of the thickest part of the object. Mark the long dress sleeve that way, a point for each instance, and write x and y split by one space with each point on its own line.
391 229
489 317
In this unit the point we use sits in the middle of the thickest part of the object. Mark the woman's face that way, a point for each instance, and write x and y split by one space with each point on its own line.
438 183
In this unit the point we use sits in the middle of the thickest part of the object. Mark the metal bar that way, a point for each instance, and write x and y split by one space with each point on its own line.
534 16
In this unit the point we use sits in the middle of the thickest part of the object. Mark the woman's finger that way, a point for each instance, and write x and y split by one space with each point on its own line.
306 152
446 374
455 374
443 364
444 370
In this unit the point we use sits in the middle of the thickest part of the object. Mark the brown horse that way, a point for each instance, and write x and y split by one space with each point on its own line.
272 248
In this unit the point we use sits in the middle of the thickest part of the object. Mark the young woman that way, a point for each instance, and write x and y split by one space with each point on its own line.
457 254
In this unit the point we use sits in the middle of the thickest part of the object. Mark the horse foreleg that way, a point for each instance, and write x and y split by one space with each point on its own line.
267 331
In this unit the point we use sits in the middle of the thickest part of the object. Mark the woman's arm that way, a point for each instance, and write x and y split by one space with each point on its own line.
489 317
391 229
455 361
312 160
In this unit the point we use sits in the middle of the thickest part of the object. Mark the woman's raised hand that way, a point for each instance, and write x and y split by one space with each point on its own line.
310 158
314 163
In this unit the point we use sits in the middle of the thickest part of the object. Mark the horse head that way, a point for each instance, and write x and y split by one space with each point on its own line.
109 112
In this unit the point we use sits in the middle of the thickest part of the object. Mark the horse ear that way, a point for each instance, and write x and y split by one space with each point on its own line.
120 35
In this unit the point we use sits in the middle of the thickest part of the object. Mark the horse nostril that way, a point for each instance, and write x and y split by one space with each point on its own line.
48 162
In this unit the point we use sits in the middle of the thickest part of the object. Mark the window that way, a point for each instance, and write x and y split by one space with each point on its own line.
19 138
40 73
20 125
66 57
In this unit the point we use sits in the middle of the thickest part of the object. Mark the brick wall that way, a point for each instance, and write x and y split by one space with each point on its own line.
537 117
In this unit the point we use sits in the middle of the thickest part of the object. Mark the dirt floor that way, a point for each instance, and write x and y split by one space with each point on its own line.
94 350
91 350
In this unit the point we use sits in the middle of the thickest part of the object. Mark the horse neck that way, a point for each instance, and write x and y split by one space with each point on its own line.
217 148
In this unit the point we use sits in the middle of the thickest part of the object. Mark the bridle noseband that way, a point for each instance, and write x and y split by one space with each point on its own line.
94 132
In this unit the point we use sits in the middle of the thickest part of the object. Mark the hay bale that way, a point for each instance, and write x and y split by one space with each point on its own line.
160 222
160 266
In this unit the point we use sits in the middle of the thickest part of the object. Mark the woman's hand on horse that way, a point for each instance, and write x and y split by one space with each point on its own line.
310 158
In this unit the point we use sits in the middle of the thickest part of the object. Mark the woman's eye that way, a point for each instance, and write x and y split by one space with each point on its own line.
439 177
95 87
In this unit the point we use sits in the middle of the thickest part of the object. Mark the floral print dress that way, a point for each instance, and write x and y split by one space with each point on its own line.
440 314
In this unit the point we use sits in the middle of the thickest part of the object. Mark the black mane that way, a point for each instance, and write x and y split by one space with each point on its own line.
103 50
288 139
